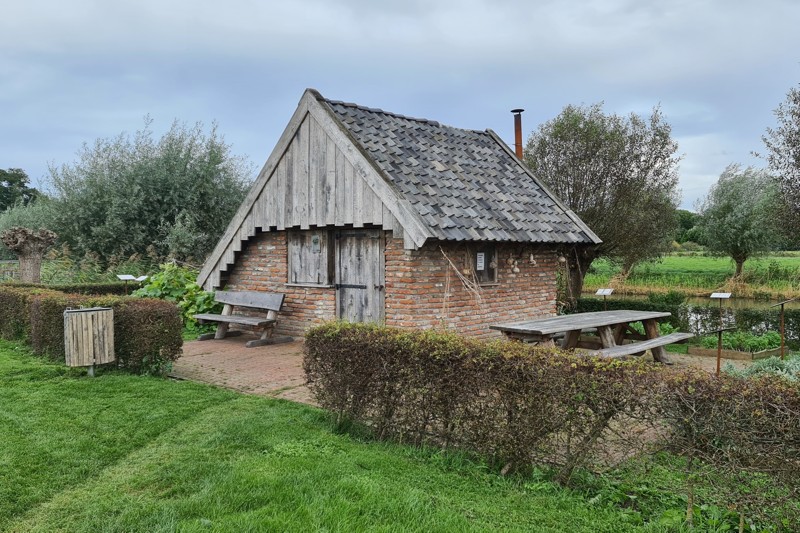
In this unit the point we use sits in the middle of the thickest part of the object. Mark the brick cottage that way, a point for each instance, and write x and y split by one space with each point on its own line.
364 215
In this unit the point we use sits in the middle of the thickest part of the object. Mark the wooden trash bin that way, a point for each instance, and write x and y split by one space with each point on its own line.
89 337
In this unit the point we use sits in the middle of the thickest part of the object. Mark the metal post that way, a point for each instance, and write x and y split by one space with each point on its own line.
719 349
783 343
783 326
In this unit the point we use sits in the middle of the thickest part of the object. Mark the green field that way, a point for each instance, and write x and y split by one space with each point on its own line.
126 453
771 276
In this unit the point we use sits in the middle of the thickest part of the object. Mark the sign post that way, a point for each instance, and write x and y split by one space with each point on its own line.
604 293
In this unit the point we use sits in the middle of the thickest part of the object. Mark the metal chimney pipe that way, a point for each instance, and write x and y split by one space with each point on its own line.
518 131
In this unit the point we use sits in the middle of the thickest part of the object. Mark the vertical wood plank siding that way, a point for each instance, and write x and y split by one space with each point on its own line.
312 185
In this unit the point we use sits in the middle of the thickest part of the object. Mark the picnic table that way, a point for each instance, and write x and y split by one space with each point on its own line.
614 337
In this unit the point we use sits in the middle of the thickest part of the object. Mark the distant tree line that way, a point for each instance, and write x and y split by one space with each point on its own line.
170 197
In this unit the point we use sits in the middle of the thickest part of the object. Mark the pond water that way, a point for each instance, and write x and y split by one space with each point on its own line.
701 315
732 303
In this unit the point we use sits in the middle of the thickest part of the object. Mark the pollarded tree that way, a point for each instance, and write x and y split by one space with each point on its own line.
783 153
175 195
740 214
30 246
618 174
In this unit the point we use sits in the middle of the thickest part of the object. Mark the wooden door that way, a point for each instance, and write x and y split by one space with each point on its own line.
359 275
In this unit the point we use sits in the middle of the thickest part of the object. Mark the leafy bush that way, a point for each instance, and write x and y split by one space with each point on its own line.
178 284
743 341
786 368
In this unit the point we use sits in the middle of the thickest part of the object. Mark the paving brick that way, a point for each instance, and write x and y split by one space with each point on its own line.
275 371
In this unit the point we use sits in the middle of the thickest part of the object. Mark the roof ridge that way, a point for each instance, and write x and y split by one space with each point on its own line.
434 123
383 112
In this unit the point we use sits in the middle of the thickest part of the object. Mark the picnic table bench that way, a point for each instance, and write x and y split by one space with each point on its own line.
267 303
614 338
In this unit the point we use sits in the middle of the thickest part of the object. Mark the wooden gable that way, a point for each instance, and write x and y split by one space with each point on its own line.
315 177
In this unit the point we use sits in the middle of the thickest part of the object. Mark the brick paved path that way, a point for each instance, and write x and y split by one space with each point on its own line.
275 370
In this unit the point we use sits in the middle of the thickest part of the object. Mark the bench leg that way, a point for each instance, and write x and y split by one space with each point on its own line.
659 353
267 338
222 330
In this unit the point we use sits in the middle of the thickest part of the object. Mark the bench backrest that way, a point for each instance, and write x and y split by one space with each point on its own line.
259 300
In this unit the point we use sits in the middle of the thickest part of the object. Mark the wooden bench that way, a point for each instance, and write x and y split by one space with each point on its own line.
268 302
640 347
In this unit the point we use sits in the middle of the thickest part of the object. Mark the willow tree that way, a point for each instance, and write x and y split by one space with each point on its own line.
740 215
30 246
618 174
129 195
783 156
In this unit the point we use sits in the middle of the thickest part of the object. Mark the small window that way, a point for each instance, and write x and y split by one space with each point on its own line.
310 257
484 263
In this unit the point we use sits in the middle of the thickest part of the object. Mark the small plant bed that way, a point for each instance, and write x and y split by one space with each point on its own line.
740 345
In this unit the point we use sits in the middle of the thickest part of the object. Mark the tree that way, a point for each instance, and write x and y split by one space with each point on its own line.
783 155
35 215
687 220
739 214
619 175
174 196
14 188
30 246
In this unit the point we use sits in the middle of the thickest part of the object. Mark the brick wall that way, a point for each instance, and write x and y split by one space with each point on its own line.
263 266
422 289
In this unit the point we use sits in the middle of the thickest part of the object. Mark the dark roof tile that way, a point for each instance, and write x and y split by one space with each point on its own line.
462 183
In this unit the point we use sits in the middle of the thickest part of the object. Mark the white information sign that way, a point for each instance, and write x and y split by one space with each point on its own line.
481 262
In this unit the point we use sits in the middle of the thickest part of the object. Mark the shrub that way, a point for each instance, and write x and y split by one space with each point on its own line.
117 288
738 435
15 310
743 341
786 368
179 285
512 403
147 332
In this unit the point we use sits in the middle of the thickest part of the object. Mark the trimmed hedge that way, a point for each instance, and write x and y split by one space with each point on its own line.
15 311
147 332
518 405
512 403
118 288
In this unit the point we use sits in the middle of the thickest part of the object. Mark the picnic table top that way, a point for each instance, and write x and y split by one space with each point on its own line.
557 324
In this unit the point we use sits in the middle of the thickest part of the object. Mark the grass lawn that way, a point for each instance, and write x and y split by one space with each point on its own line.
776 276
126 453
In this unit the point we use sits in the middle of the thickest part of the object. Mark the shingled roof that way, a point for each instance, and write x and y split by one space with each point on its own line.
464 184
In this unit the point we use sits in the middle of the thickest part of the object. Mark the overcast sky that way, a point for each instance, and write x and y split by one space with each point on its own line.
76 70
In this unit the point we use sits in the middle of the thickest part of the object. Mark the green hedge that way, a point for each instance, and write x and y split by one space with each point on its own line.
147 332
116 287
